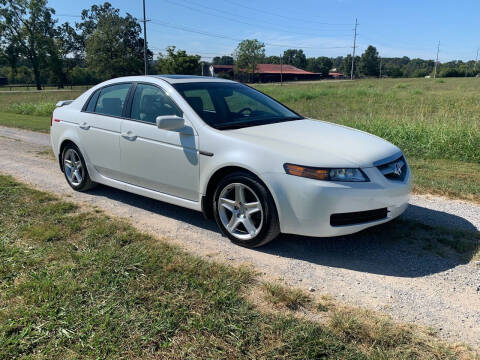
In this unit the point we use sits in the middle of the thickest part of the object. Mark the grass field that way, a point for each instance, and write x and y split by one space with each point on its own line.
76 284
31 110
435 122
427 118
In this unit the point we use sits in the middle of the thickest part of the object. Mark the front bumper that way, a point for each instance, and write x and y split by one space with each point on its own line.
306 205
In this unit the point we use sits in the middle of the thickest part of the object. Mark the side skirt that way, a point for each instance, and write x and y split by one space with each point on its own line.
194 205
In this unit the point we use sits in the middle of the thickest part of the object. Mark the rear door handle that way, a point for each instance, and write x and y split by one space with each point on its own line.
85 126
129 136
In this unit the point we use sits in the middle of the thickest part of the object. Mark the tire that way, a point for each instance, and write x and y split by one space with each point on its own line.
250 220
75 169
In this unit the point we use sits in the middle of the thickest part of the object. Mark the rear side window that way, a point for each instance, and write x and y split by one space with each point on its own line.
112 100
150 101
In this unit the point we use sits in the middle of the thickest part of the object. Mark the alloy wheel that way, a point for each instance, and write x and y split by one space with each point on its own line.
240 211
73 167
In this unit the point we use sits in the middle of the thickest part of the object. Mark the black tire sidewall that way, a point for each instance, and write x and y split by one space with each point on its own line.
270 228
86 179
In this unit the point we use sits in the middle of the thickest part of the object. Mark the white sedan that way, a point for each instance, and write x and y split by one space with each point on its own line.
230 151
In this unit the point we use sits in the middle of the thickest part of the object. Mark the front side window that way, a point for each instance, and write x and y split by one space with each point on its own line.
112 99
232 105
149 102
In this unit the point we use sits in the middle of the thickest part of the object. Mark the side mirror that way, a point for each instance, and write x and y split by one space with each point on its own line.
170 122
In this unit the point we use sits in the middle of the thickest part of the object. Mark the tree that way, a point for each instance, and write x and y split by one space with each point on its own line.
224 60
178 62
295 57
29 24
273 60
248 54
320 65
113 45
418 68
82 76
90 19
337 62
346 67
11 55
369 62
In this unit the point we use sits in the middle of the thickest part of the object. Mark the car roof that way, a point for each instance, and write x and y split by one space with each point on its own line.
175 79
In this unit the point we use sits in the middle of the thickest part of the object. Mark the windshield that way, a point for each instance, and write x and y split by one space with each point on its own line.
232 105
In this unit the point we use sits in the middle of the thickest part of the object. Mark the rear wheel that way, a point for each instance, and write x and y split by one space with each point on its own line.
75 169
245 211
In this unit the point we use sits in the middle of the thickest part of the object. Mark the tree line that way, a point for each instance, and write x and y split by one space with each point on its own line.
103 44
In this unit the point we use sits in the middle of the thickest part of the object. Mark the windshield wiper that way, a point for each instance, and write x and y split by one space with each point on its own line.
231 126
234 126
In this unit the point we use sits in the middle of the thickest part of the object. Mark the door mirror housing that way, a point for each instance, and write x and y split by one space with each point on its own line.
170 122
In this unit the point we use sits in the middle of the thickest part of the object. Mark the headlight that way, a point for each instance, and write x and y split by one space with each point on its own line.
350 175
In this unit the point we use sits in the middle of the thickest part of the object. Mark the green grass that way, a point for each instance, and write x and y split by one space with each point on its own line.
293 299
31 110
36 97
454 179
77 284
40 109
28 122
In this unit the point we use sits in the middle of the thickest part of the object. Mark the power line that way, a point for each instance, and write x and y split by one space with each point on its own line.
222 36
202 8
283 16
68 15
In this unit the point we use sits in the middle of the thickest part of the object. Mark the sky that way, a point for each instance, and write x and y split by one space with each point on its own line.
321 28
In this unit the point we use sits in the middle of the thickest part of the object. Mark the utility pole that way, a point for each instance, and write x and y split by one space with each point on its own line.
145 39
476 62
381 68
436 61
281 70
354 47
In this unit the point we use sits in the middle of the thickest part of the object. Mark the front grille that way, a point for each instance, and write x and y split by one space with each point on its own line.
395 170
359 217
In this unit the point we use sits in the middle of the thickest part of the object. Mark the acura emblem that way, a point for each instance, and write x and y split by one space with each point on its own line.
398 168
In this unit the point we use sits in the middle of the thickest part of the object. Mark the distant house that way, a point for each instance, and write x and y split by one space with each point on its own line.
273 72
336 75
223 69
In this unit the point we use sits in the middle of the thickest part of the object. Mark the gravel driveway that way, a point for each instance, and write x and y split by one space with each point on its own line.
396 278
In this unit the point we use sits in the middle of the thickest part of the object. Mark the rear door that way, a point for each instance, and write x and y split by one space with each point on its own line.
100 128
157 159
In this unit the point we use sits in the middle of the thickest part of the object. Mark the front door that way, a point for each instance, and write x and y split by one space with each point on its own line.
156 159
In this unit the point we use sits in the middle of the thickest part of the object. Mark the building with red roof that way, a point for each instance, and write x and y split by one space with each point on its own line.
273 72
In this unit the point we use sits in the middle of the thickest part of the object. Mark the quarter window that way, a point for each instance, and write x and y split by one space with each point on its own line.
150 101
93 102
112 99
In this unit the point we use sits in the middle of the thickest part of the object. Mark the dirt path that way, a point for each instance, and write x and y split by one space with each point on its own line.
398 278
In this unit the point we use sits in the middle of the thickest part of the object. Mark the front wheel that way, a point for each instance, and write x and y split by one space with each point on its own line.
245 211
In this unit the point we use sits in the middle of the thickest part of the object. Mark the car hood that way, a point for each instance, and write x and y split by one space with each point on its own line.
318 143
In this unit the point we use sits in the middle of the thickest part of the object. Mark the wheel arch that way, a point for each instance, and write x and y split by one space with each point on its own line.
207 198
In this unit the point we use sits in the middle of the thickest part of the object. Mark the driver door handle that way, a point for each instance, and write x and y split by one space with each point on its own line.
84 126
129 136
